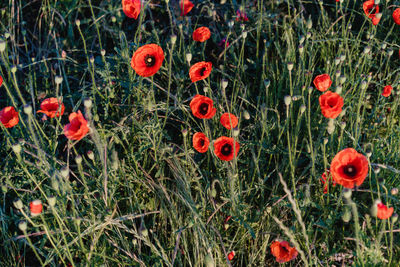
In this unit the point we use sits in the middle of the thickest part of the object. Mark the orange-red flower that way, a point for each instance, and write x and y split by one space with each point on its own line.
226 148
322 82
200 71
283 252
370 10
36 207
200 142
387 90
331 104
396 16
78 126
383 212
202 107
326 178
241 16
51 107
131 8
1 80
9 117
229 120
231 255
186 6
201 34
147 60
349 168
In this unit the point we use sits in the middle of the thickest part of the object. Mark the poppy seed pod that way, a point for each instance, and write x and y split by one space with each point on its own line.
301 49
78 22
367 49
64 172
208 261
28 109
52 201
339 89
22 225
302 39
287 99
58 79
173 39
395 217
14 69
309 23
290 66
347 193
302 109
18 204
2 45
16 148
78 159
90 155
390 52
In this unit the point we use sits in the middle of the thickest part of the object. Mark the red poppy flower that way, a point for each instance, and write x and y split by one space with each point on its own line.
201 34
200 142
51 107
396 16
202 107
229 121
231 255
200 71
1 80
383 212
9 117
349 168
322 82
36 207
387 90
226 148
283 252
147 60
131 8
77 128
331 104
241 16
326 178
370 10
186 6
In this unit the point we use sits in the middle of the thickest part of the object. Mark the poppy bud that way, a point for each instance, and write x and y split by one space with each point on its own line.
339 89
244 35
231 23
143 231
213 193
103 52
28 109
113 19
223 2
246 115
16 148
236 132
7 35
87 103
290 66
302 38
394 191
78 159
367 49
308 35
287 100
330 129
58 79
346 216
209 262
337 60
91 59
78 22
188 57
13 69
390 52
363 85
343 125
18 204
302 109
326 141
52 201
64 172
342 57
301 49
267 83
309 23
337 74
342 79
22 225
383 46
173 39
376 2
2 45
4 189
184 132
90 155
224 83
310 89
347 193
374 208
395 217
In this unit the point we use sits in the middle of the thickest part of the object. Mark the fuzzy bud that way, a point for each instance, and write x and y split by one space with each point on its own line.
52 201
347 193
22 225
287 100
16 148
28 109
2 45
58 79
18 204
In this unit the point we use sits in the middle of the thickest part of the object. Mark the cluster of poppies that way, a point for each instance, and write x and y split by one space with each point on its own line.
50 107
371 10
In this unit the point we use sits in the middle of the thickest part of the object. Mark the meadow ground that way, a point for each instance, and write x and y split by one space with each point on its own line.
199 133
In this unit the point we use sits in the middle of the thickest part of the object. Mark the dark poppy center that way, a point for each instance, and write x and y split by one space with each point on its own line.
350 170
371 9
332 102
203 109
201 142
226 149
285 250
202 70
150 60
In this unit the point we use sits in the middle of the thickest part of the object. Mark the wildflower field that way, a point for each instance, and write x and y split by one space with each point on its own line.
199 133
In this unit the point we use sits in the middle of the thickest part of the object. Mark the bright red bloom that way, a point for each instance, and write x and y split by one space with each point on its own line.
200 142
131 8
383 211
147 60
326 178
186 6
370 10
78 126
331 104
202 107
229 121
241 16
51 107
231 255
396 16
1 80
283 252
9 117
201 34
36 207
226 148
322 82
200 71
387 90
349 168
